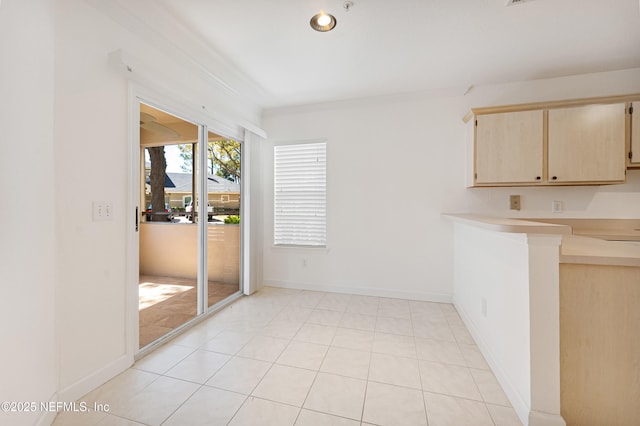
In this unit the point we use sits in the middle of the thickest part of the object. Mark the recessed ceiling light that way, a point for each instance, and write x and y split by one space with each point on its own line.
323 22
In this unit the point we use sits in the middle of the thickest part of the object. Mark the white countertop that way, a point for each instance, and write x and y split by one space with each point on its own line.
605 229
582 249
594 251
514 226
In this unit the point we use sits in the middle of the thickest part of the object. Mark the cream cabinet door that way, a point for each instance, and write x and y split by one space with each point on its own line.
587 144
635 134
509 147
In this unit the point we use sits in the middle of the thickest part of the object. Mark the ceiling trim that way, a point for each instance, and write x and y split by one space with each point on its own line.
181 45
142 84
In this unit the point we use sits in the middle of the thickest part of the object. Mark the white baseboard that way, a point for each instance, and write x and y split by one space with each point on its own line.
363 291
536 418
521 407
97 378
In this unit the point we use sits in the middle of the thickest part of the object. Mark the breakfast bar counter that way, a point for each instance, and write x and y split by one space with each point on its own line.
555 313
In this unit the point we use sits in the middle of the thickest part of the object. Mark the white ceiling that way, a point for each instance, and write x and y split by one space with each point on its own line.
388 47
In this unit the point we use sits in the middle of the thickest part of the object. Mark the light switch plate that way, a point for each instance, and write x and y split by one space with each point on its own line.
102 210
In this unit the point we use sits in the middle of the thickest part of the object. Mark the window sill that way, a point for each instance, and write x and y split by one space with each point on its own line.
284 247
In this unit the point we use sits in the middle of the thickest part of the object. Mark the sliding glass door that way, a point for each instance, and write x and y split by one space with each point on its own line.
223 230
189 251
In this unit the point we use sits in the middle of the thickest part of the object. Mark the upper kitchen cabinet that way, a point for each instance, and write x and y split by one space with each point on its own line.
572 142
634 131
509 148
587 144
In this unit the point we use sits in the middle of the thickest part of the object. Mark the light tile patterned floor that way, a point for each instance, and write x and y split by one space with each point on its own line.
290 357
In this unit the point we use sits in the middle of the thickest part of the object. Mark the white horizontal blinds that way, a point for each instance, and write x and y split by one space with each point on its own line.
300 185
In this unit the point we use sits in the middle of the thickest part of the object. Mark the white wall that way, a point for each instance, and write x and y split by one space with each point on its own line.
92 163
28 361
394 165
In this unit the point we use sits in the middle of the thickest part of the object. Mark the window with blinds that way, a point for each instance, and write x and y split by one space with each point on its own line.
300 194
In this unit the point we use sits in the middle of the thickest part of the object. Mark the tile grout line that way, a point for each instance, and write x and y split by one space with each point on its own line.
256 329
202 385
366 388
249 395
183 402
317 372
314 377
484 401
415 345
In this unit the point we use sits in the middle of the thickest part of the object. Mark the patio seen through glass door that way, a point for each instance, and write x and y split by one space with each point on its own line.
173 290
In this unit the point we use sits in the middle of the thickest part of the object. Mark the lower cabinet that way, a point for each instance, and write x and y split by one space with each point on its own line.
599 345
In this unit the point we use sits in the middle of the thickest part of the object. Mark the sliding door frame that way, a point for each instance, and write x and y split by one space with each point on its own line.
138 94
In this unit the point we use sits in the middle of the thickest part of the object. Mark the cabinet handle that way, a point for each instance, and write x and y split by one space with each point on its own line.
537 177
555 178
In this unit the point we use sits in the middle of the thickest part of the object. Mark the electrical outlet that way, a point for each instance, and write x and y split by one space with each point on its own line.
514 201
102 210
556 206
